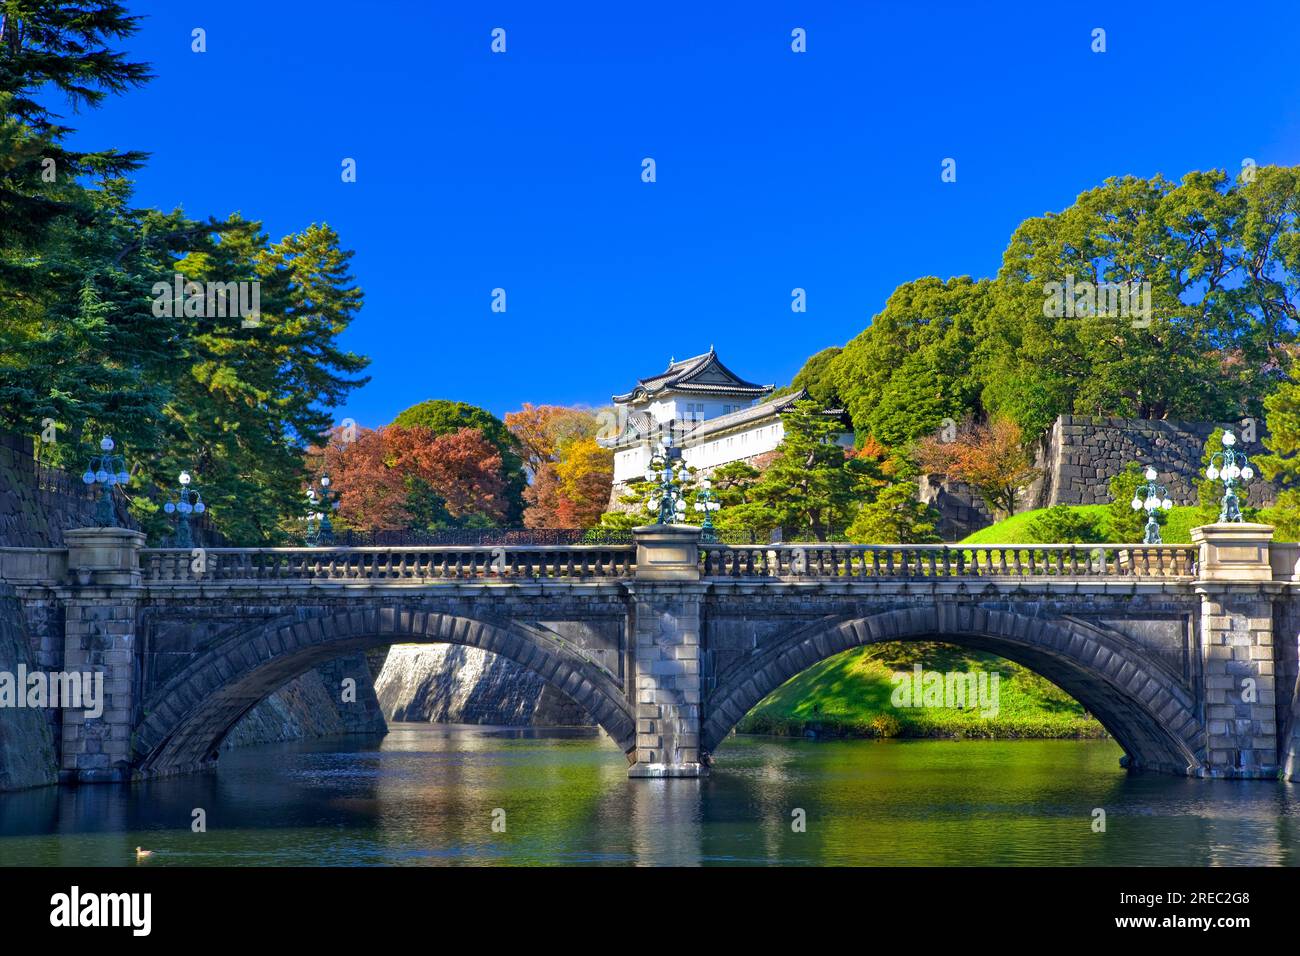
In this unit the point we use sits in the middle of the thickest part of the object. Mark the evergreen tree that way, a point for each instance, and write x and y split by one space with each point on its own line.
812 487
895 517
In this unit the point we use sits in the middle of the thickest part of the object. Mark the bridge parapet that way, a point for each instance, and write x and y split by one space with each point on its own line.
415 565
857 561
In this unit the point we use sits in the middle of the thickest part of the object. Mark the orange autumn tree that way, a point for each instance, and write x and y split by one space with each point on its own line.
572 474
991 458
398 479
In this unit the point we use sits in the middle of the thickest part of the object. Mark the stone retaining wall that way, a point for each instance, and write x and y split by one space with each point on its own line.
1079 455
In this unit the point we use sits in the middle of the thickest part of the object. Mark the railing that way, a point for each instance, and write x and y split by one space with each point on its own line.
717 561
478 537
577 562
1176 561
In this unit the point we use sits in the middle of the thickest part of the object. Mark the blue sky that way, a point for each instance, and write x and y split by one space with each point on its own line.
775 170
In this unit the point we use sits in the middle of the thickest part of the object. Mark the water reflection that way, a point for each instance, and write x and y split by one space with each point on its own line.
429 795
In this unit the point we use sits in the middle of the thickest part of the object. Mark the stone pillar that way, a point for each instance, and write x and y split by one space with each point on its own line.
666 598
99 644
1237 592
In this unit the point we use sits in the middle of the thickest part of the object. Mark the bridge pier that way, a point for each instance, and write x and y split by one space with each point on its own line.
1237 649
99 640
666 596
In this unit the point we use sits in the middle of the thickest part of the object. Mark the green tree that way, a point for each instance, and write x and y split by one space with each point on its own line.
1219 260
1062 524
816 378
813 486
895 517
1282 463
914 366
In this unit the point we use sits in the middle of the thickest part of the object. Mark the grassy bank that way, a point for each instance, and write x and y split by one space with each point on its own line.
850 695
1015 530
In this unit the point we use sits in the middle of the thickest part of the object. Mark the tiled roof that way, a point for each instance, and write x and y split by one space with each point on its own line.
700 375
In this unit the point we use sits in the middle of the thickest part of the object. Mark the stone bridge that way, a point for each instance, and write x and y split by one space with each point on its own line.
1186 653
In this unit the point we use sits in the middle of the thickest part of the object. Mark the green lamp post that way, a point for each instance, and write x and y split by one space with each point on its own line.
1233 469
188 501
106 470
707 502
668 474
322 533
1154 498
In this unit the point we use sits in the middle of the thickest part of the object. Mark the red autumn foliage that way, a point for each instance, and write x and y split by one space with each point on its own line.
373 475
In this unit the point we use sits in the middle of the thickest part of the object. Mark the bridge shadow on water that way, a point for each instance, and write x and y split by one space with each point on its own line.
449 794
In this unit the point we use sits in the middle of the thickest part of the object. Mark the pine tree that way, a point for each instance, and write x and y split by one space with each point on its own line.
813 486
895 517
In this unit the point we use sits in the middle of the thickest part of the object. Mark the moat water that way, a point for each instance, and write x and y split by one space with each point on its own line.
437 795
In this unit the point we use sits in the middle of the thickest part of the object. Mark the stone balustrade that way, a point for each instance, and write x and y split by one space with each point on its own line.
416 565
854 561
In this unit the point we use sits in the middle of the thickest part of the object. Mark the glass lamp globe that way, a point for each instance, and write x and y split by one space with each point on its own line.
106 443
88 477
1151 474
101 476
652 505
325 481
1229 439
699 506
1248 473
649 474
169 508
200 507
1167 504
1137 504
714 505
185 478
1232 471
1152 503
110 479
123 477
706 483
1212 473
185 507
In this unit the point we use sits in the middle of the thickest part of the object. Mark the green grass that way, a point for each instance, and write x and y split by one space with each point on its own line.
850 695
1015 530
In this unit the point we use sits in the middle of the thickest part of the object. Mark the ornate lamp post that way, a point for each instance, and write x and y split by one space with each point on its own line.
188 501
106 470
666 471
1233 468
707 503
1154 498
324 531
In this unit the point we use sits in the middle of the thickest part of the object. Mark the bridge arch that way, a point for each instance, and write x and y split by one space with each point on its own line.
187 719
1141 703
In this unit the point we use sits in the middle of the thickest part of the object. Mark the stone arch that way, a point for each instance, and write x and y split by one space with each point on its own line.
1140 701
192 713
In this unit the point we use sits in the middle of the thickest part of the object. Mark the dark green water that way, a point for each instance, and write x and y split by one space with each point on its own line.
425 795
